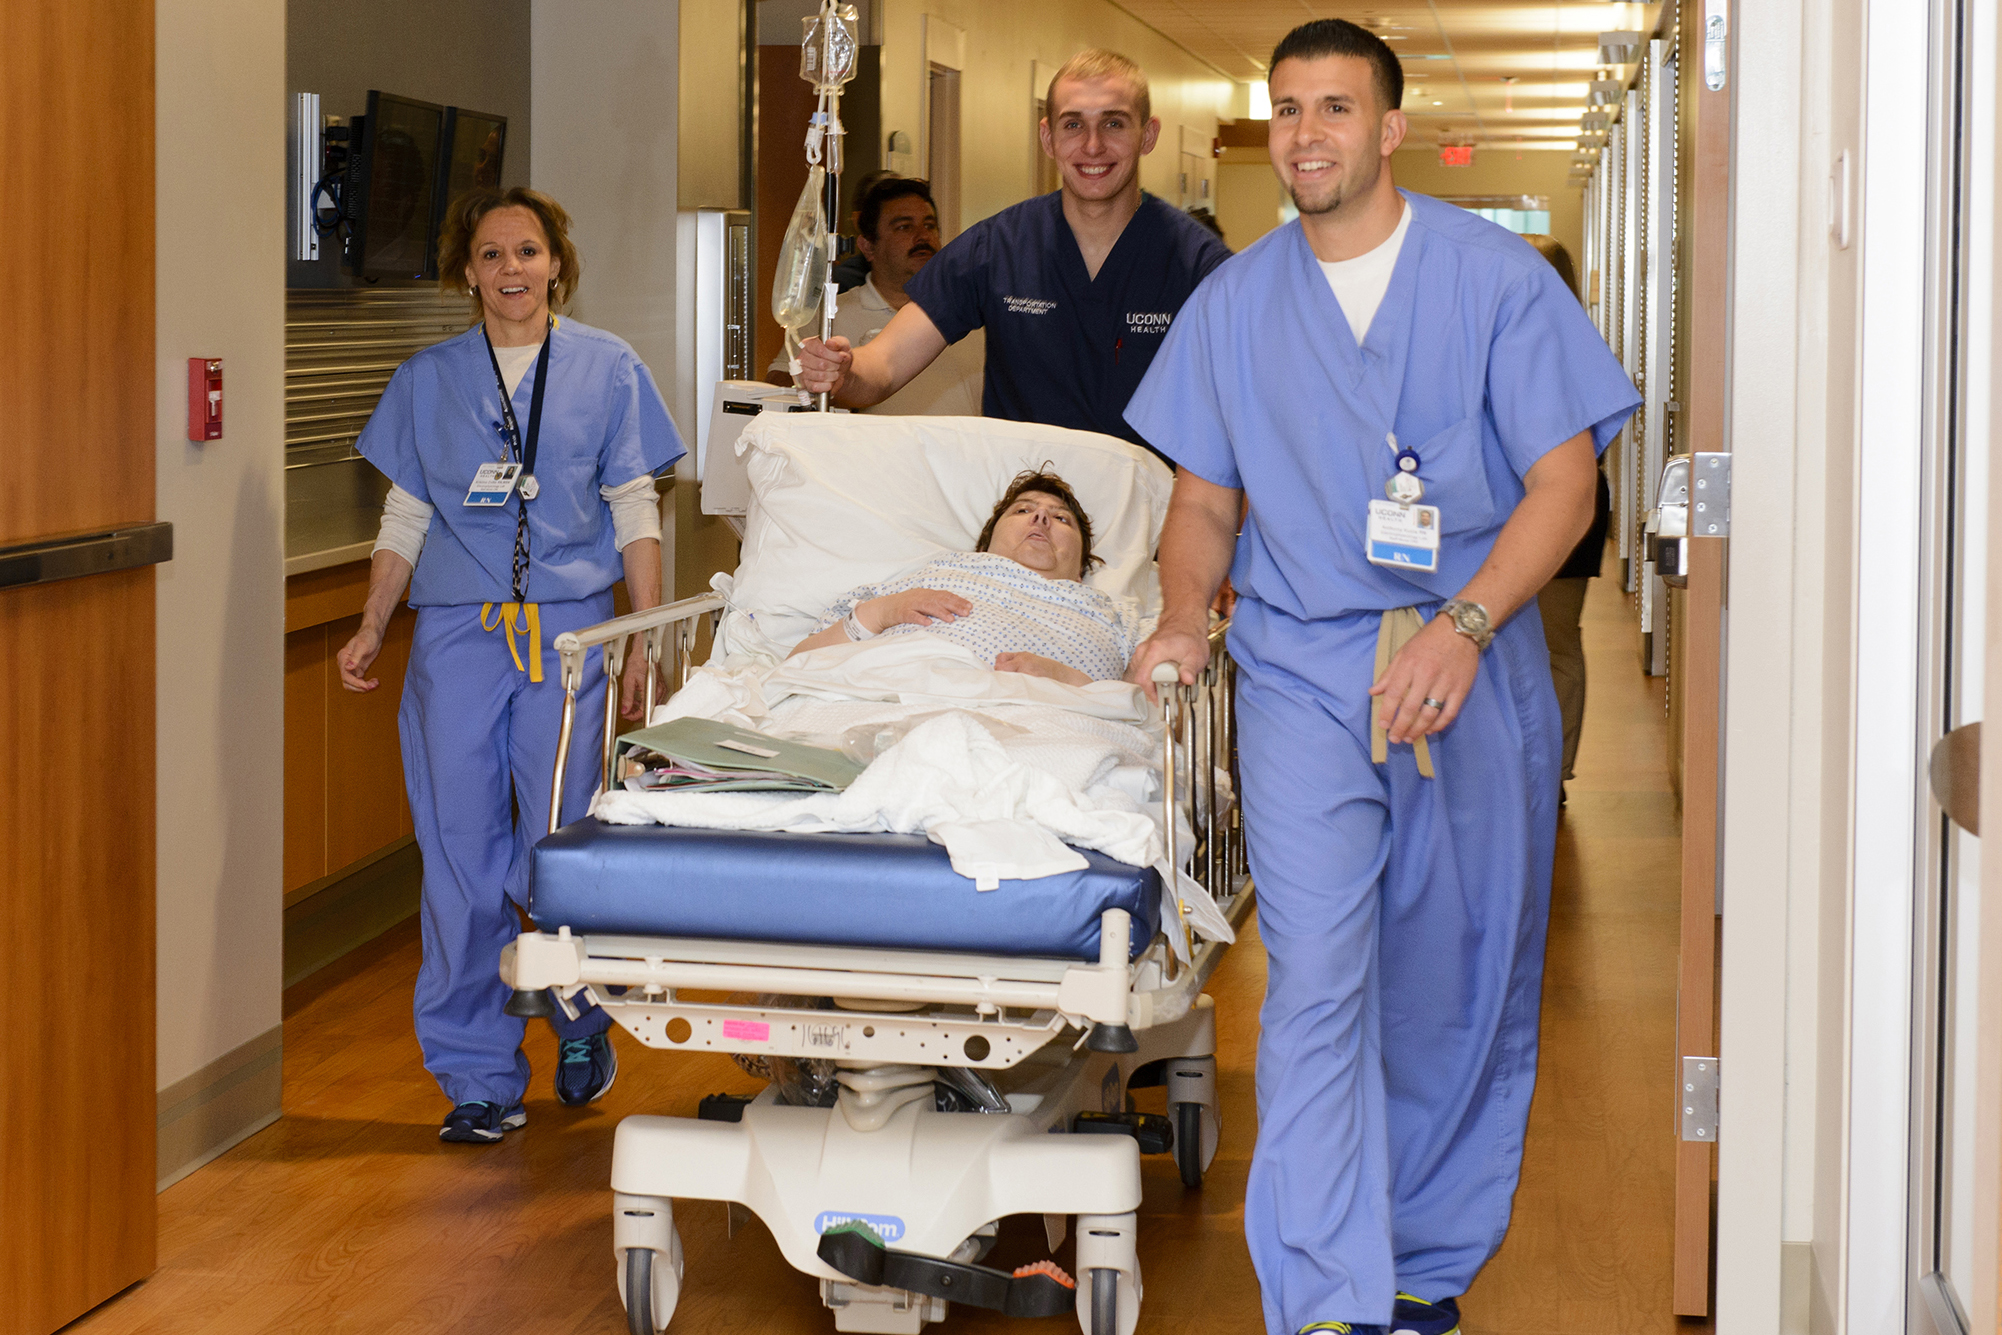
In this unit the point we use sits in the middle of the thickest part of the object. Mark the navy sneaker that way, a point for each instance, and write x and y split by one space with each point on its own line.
482 1123
585 1068
1415 1316
1341 1328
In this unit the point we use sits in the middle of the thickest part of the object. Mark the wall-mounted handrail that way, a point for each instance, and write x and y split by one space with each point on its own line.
75 555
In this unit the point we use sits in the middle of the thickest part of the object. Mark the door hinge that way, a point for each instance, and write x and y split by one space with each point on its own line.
1710 496
1716 43
1698 1099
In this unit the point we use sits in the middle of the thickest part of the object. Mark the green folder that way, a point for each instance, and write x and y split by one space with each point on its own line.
774 764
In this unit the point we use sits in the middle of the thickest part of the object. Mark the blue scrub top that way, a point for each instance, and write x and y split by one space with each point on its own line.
1064 348
1479 358
603 424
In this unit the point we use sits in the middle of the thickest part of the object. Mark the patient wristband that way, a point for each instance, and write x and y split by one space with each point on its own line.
856 630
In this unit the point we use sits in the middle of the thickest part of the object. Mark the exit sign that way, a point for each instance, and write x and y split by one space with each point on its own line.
1456 156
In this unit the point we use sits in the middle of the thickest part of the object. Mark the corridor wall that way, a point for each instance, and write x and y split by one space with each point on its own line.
219 224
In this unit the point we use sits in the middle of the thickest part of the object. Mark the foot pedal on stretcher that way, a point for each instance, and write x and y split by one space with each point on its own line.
1040 1290
1155 1133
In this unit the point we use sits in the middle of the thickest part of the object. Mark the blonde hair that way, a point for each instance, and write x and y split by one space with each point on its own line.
1095 63
462 222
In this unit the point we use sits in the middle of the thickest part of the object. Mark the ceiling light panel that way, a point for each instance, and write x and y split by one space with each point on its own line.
1551 50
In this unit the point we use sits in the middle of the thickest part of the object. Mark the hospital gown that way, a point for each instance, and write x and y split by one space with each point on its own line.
1403 917
1015 610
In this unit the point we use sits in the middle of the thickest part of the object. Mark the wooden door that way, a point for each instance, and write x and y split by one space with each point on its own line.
1703 188
76 658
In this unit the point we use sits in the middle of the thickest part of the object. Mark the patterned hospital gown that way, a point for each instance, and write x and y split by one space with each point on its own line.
1015 610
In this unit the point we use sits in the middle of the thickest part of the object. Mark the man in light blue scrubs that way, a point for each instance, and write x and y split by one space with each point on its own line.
1412 405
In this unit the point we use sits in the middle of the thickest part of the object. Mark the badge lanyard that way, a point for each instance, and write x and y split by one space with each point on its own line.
521 449
1402 533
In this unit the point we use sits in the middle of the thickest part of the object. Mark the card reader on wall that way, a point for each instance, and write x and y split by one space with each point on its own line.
726 486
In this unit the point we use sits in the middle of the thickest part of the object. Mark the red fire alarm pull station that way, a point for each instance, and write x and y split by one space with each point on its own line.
204 398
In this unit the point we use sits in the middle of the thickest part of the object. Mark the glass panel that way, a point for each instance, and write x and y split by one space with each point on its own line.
1520 221
1965 188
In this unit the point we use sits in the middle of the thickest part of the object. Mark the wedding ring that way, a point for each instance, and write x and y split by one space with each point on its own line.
1430 703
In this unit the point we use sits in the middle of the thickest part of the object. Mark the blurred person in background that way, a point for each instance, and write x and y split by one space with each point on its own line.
1562 600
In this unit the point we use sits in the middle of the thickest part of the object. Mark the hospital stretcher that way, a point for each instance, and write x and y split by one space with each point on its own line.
1028 1011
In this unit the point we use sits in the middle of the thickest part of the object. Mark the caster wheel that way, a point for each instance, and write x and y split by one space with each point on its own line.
1105 1302
650 1284
639 1291
1108 1274
1189 1143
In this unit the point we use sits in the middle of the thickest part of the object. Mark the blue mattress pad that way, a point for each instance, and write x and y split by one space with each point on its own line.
891 890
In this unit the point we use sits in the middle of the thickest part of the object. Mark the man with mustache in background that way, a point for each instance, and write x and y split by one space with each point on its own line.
896 226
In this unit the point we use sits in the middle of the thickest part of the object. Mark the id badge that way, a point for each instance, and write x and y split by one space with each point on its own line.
1403 537
493 484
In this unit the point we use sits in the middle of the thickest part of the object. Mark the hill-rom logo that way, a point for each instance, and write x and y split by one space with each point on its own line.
1149 322
885 1226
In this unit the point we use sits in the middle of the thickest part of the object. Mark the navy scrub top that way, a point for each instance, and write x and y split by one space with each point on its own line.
1063 348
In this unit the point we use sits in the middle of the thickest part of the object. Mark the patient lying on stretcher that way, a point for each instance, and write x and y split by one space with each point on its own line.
1017 599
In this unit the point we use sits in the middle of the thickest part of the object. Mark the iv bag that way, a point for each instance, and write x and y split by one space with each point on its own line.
802 269
827 55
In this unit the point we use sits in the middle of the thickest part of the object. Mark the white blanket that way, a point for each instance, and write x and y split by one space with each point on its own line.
1002 769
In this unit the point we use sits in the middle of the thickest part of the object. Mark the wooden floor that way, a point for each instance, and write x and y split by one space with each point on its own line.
349 1215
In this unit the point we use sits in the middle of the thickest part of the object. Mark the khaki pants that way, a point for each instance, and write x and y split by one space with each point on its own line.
1562 603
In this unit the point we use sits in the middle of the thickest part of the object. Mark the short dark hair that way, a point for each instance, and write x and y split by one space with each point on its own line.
1047 483
869 209
1339 37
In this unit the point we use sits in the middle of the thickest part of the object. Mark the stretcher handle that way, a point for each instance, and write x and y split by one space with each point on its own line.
632 623
1166 672
570 647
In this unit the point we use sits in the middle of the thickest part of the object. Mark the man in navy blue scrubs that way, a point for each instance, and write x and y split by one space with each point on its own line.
1076 289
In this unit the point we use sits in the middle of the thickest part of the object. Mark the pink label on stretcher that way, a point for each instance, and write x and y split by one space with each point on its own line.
751 1031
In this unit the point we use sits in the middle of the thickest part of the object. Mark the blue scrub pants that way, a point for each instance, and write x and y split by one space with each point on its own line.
479 751
1403 920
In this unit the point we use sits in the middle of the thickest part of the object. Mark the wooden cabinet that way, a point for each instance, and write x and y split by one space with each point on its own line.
344 797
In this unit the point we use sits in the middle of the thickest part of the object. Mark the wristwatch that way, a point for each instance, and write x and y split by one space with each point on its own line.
1470 619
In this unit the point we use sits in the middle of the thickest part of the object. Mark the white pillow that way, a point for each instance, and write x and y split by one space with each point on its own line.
841 500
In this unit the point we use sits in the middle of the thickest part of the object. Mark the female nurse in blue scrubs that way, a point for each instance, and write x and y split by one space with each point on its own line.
522 456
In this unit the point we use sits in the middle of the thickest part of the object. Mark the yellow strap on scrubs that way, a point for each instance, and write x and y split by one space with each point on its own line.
1399 624
523 619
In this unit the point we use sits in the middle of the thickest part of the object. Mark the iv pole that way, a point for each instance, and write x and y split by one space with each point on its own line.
827 61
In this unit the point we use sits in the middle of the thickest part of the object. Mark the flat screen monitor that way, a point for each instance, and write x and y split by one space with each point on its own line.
475 142
394 183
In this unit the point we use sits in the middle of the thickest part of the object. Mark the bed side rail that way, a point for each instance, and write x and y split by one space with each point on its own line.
1202 719
667 632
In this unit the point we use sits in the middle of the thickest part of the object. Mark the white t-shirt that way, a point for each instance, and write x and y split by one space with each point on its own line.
1359 284
514 364
949 387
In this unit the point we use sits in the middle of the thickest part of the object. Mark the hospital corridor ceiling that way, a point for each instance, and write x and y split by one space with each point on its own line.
1485 72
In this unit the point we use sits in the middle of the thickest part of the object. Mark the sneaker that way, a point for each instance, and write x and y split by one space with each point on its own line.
1341 1328
585 1068
1415 1316
482 1123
